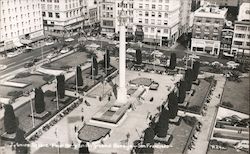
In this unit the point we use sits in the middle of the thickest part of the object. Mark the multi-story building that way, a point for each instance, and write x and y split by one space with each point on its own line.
208 24
20 22
107 17
92 10
241 38
160 20
65 18
226 40
185 11
233 3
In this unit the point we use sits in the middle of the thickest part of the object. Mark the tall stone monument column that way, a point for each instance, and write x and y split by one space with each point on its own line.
122 91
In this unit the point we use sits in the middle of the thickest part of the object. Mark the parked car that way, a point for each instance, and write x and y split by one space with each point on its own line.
3 67
49 43
64 50
12 54
51 55
29 64
232 64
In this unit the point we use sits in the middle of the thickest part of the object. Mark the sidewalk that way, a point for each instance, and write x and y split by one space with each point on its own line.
201 144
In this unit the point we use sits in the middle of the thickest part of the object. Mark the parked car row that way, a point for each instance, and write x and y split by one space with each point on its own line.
55 120
236 121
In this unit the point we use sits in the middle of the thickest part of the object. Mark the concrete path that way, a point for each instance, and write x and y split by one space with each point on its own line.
201 144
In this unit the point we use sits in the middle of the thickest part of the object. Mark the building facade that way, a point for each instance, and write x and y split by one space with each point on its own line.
241 37
233 3
160 20
20 22
208 24
63 18
107 17
185 11
226 41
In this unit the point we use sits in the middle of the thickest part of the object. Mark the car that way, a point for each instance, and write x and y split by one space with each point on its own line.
51 55
232 64
49 43
29 64
65 50
12 54
69 40
3 67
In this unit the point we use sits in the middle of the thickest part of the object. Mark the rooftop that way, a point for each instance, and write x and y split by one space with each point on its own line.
211 11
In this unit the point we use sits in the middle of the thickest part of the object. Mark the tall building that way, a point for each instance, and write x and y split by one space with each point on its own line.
208 24
233 3
107 17
226 40
185 11
92 11
63 18
20 22
160 20
241 38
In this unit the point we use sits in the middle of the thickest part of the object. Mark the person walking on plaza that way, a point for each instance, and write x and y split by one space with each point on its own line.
82 118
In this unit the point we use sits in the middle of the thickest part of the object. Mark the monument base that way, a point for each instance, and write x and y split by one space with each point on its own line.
165 140
121 96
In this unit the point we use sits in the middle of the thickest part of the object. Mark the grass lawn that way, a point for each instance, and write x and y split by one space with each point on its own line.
33 81
237 94
71 60
23 112
197 101
180 138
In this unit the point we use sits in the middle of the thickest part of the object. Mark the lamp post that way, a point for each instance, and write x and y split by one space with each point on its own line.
76 82
32 113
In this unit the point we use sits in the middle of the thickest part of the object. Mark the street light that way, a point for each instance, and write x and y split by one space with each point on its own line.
32 113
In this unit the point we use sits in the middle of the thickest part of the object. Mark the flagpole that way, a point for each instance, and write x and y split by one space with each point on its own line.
106 63
76 82
93 68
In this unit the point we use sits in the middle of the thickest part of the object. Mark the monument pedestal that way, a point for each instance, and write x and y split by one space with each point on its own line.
121 96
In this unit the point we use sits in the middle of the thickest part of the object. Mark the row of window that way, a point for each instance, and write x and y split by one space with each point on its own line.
131 6
236 35
23 31
207 20
16 26
22 16
159 15
20 9
20 1
242 28
50 14
207 29
153 6
155 1
206 37
152 30
50 1
153 21
241 43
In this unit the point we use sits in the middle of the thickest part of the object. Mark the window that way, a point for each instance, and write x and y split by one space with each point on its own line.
56 1
165 30
146 21
57 15
206 29
158 31
208 20
152 29
44 14
140 6
153 21
166 15
147 6
140 20
152 14
146 14
146 29
159 14
49 6
160 7
165 22
238 43
50 14
166 7
153 6
140 13
158 22
240 35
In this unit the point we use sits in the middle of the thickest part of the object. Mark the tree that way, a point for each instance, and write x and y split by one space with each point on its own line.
21 142
39 100
162 125
10 122
182 91
106 61
83 148
172 61
172 105
61 85
138 56
196 67
94 66
188 79
79 78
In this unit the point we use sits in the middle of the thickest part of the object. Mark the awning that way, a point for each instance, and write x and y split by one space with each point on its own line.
151 40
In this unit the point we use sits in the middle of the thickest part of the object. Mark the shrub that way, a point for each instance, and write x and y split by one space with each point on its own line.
79 78
15 94
228 104
189 120
195 108
10 122
23 75
39 100
172 61
48 78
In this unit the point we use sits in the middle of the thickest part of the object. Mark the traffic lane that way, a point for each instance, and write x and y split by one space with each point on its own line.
35 52
20 64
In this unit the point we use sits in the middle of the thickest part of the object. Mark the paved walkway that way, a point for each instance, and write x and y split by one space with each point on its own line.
201 144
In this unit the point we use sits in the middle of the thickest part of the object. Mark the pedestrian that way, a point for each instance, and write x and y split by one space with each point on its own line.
82 109
75 128
82 118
